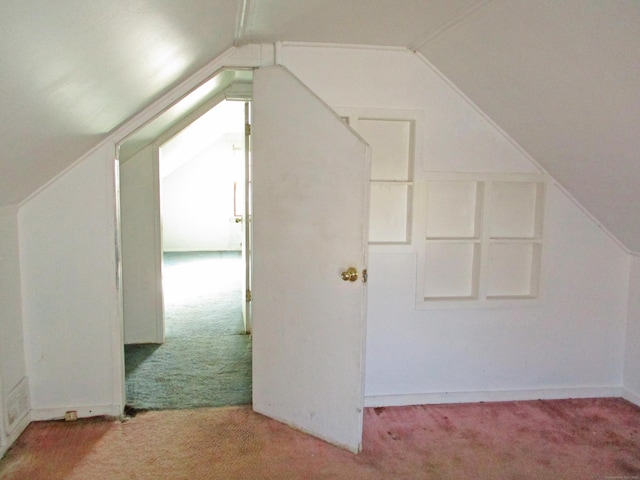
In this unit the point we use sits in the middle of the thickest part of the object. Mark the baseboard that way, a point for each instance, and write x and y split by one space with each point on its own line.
631 396
58 413
490 396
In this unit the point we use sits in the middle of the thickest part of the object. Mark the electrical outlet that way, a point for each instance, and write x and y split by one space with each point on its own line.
70 416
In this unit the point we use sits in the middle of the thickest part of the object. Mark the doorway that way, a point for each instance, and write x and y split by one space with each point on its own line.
201 355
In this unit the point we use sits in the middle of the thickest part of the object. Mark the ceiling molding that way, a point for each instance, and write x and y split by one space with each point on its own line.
458 16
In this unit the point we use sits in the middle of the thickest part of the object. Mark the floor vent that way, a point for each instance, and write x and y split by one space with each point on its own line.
17 404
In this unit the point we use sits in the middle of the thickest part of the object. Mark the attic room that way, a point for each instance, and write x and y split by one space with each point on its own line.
478 158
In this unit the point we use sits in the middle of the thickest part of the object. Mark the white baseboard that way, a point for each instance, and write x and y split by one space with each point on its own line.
631 396
490 396
57 413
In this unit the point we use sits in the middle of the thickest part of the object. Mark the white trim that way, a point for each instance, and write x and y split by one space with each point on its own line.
491 396
348 46
517 146
57 413
112 186
631 396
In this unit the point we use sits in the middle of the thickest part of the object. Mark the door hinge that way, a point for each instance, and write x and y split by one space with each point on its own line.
248 296
247 129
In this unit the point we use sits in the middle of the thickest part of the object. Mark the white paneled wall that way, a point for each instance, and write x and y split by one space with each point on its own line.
570 344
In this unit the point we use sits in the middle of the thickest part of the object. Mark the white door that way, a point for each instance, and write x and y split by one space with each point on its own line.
310 211
246 223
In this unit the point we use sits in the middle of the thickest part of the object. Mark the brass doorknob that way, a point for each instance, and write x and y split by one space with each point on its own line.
349 275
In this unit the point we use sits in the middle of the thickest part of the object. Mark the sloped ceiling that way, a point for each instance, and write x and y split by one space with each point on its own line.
561 77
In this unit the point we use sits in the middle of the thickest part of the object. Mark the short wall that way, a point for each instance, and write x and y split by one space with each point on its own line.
70 305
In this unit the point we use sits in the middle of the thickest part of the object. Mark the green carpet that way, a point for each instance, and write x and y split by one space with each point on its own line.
206 358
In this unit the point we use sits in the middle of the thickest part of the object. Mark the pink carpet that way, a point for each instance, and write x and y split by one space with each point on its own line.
566 439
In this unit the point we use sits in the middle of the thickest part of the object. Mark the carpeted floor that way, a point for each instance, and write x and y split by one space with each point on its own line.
206 358
597 439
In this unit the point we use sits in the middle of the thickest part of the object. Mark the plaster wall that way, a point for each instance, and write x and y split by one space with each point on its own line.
70 273
570 344
12 360
141 256
70 303
197 202
632 350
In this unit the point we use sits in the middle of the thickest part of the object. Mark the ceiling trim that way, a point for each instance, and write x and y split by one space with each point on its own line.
458 16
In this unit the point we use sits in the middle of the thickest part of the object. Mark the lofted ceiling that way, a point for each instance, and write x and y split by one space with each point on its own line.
561 77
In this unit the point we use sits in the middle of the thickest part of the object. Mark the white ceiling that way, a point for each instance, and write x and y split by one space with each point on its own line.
561 77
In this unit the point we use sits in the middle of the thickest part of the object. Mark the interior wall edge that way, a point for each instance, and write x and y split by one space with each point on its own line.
434 398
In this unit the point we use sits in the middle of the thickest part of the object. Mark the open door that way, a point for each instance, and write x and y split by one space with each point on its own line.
246 223
310 211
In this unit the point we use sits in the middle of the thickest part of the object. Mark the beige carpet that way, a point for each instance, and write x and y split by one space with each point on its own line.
568 439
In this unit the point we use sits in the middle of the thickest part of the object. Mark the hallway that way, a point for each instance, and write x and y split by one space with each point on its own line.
206 358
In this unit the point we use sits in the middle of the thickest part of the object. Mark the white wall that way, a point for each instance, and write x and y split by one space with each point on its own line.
12 361
68 265
632 350
197 202
71 312
141 256
570 345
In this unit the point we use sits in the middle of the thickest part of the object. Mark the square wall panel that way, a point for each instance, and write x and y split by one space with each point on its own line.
513 209
391 150
453 209
389 213
513 270
450 270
